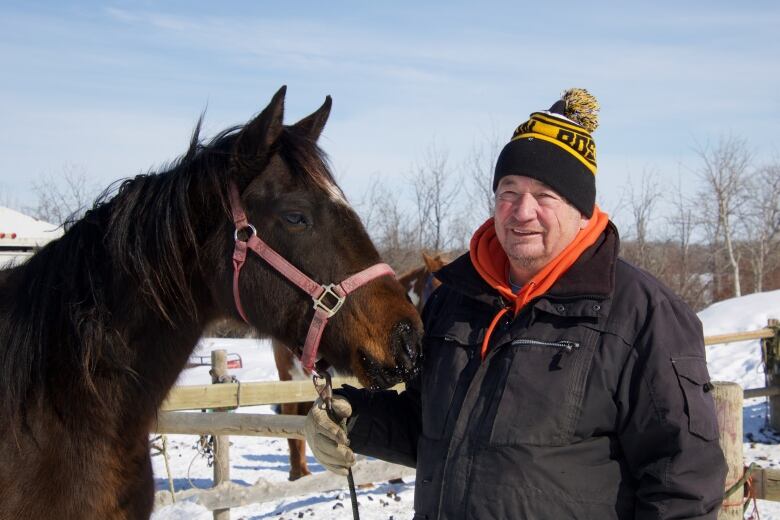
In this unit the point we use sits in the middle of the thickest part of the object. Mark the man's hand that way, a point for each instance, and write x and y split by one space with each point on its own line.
326 437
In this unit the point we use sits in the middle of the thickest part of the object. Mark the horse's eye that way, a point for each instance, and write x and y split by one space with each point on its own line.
295 218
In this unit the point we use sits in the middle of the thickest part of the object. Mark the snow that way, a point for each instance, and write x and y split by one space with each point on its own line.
253 458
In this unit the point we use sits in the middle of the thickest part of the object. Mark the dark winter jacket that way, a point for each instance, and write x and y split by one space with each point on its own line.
593 402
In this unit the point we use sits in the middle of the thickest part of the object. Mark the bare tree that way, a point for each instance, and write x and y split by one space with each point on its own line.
760 220
480 166
435 188
461 230
6 199
681 227
63 197
723 171
390 227
641 203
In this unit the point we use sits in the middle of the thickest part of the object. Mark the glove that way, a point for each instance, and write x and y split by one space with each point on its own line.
326 437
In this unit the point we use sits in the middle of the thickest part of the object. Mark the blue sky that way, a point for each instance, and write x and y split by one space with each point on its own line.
114 88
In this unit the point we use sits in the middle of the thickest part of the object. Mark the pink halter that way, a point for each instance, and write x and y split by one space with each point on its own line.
336 294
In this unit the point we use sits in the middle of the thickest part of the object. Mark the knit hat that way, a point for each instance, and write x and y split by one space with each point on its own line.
556 148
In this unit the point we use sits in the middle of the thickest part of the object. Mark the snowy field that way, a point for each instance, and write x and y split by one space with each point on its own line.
254 458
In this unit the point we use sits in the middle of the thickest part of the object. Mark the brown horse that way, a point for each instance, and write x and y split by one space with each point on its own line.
95 327
419 284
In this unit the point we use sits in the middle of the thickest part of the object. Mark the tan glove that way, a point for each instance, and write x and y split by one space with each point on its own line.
327 439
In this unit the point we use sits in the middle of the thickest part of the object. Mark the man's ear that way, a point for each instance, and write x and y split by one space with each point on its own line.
584 221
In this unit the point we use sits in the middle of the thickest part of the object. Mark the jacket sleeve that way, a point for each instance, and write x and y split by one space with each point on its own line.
385 424
668 426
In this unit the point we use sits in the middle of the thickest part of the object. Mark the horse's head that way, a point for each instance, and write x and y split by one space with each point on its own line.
435 262
420 282
291 198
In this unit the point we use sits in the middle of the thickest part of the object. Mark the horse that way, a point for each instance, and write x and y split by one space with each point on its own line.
419 284
95 327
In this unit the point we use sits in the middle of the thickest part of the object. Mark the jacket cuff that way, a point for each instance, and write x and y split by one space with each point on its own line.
358 398
358 428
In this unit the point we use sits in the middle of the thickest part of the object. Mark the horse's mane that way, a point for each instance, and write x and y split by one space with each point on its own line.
59 315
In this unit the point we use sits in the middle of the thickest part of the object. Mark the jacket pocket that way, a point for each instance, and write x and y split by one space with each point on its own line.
540 401
694 381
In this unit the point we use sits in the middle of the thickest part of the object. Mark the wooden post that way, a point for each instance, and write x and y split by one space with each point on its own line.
766 484
221 442
770 350
728 403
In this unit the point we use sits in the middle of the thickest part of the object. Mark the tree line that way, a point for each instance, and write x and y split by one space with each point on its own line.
717 240
722 238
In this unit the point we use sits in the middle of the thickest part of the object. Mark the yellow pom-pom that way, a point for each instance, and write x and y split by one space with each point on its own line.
582 108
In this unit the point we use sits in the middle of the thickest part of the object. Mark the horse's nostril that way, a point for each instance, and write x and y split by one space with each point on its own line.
411 350
406 340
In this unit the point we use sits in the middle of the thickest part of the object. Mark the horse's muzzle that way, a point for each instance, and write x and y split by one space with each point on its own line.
405 344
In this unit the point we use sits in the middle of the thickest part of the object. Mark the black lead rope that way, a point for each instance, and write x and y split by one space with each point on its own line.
353 495
326 394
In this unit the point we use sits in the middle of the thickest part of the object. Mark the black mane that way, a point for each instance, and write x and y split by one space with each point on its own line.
139 238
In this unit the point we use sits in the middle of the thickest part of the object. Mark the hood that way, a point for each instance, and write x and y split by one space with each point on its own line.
491 262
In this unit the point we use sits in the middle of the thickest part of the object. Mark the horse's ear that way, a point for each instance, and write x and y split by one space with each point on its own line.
313 124
257 136
431 262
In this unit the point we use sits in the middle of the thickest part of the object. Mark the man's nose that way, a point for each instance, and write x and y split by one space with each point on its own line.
525 207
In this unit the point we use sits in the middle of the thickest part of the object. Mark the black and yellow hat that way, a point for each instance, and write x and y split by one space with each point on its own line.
556 147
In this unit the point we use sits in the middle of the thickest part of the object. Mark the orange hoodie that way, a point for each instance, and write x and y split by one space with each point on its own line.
491 263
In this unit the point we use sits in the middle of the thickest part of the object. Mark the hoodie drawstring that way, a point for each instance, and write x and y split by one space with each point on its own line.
489 332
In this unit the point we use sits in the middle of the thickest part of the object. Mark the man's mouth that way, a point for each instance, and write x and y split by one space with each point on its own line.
525 232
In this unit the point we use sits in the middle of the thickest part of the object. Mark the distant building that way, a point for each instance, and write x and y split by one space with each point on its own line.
21 236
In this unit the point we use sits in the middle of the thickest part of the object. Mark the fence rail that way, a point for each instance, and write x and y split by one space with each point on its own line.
764 333
256 425
234 395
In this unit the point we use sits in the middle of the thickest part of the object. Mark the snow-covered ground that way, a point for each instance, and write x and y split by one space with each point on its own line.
254 458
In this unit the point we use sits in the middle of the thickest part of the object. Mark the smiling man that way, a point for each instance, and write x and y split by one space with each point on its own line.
533 224
558 381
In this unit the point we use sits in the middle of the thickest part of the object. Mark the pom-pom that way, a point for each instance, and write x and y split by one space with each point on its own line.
582 108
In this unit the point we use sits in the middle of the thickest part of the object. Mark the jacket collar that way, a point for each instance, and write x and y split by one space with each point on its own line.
591 277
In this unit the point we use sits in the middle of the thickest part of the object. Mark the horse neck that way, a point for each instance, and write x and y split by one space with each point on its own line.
94 327
163 328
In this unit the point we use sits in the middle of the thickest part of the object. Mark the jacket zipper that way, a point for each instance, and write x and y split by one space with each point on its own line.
564 344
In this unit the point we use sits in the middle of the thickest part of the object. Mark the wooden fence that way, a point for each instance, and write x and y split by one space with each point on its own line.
224 394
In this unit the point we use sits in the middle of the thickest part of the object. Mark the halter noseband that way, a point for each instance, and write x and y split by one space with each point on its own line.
328 299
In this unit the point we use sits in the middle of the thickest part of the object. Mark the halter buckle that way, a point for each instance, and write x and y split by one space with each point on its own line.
330 309
248 226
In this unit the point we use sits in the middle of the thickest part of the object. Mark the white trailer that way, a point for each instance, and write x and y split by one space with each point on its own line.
21 236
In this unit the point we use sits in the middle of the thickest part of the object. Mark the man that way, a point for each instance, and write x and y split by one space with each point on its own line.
557 380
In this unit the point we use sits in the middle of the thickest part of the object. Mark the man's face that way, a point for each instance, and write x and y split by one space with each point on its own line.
533 224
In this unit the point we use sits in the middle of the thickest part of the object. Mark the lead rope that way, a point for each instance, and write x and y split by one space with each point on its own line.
326 394
745 481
